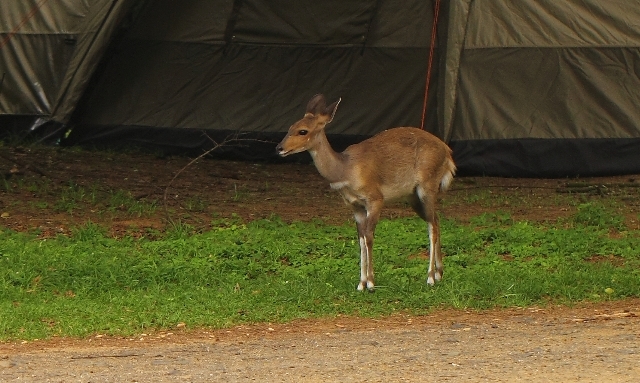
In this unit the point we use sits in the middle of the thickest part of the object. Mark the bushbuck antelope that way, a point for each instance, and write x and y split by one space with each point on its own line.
396 163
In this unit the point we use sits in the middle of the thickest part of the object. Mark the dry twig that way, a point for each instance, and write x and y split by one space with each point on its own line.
233 138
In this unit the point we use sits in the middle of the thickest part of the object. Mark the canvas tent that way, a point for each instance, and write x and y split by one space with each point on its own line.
518 88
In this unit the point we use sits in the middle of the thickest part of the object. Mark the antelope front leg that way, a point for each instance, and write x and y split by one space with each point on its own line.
431 274
438 252
361 223
366 265
367 219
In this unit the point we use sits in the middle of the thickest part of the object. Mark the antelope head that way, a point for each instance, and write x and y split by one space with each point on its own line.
303 134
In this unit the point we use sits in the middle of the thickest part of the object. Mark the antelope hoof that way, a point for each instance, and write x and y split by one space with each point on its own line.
430 281
438 276
368 284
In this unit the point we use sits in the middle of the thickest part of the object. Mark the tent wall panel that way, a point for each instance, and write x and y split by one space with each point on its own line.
255 88
372 53
552 23
49 50
303 22
192 21
37 17
543 88
548 93
32 69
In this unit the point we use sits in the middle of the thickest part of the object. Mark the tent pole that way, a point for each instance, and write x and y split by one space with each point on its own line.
430 62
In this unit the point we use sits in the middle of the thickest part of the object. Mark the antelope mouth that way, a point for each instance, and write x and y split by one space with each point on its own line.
283 153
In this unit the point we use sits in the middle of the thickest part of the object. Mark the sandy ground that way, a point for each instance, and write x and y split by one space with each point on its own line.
590 343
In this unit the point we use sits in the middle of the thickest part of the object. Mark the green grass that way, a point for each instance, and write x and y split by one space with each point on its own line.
272 271
125 201
195 204
73 197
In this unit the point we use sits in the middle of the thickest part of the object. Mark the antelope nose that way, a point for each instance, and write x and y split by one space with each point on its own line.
279 148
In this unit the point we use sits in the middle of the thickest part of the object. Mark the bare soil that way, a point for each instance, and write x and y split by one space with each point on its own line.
587 343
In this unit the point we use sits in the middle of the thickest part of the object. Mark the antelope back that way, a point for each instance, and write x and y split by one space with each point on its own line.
397 159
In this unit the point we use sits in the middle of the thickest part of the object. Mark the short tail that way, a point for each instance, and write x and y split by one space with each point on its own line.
450 171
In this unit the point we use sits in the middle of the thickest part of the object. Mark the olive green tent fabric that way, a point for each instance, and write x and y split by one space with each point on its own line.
48 51
542 87
98 28
552 24
527 87
546 69
256 63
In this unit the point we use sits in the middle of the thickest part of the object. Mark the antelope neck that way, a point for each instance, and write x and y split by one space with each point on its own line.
330 164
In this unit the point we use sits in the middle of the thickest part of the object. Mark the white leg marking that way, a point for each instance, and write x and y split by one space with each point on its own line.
363 263
438 257
369 277
437 276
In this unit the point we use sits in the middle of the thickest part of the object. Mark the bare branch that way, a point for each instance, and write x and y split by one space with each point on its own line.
232 138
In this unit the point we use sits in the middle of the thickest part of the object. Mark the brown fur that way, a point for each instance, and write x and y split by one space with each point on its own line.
396 163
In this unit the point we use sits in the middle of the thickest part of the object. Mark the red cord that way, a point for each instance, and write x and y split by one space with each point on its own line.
24 20
433 43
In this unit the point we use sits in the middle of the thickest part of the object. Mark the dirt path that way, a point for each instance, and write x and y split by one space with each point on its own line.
591 343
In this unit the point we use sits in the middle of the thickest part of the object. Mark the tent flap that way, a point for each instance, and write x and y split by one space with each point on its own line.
49 50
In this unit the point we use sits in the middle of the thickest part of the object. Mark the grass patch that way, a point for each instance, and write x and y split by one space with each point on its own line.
73 197
272 271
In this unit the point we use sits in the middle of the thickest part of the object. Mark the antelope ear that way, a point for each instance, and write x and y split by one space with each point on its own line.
331 110
316 105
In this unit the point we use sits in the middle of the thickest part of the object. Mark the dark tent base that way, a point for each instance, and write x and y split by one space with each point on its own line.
548 158
23 130
542 158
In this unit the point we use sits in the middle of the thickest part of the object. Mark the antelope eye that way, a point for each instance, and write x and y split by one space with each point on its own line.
303 132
